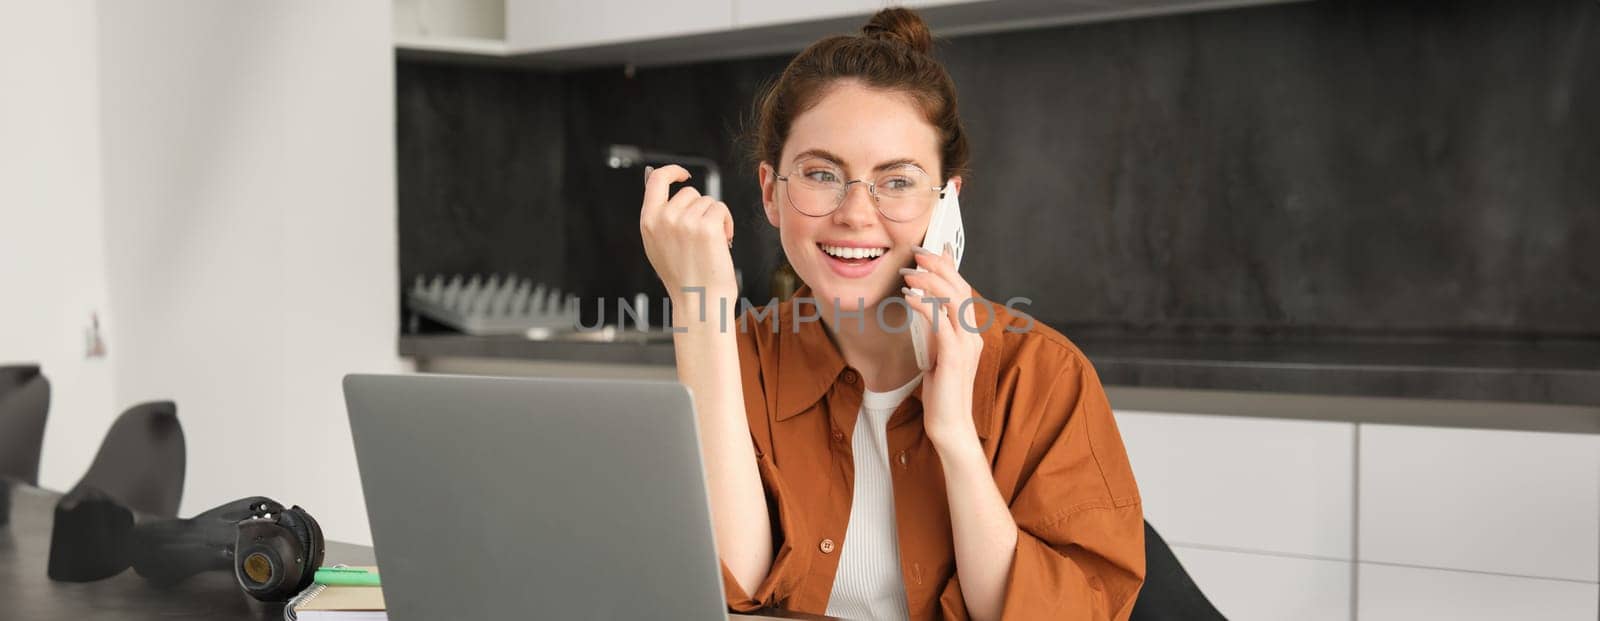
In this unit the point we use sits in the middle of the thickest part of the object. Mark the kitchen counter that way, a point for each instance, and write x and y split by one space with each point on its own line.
1561 372
652 351
1550 372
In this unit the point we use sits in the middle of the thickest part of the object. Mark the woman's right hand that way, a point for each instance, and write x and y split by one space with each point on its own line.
687 238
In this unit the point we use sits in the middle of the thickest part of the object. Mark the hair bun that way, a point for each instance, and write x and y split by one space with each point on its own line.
902 25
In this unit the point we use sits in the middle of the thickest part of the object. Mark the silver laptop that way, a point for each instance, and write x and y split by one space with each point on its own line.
542 498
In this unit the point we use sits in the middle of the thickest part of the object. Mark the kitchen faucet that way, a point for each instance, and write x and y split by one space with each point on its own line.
626 155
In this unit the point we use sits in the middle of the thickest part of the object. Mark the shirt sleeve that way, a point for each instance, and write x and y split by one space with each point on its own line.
1080 528
788 564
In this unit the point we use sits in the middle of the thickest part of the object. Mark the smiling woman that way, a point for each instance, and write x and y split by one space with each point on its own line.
843 478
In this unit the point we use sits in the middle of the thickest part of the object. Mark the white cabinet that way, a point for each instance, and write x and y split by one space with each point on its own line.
750 13
458 26
1246 586
1268 516
1258 484
658 32
520 27
1510 502
540 25
1409 593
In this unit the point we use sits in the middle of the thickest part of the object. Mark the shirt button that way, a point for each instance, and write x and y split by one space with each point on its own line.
826 546
838 436
850 376
902 458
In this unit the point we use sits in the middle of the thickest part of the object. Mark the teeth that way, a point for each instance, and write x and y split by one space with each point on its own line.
853 253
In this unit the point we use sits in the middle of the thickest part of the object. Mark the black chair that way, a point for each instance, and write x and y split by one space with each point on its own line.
24 404
1169 593
142 460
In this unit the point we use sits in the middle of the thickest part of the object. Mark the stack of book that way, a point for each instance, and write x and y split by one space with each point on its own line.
351 594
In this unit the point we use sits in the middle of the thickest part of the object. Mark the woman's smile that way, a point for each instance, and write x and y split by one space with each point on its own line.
852 259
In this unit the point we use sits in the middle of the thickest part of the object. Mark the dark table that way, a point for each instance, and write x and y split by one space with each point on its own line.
27 592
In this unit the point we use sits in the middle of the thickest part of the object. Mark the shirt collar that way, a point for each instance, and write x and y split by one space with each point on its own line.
809 363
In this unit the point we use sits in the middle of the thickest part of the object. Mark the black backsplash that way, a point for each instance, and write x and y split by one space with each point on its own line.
696 110
480 172
1396 168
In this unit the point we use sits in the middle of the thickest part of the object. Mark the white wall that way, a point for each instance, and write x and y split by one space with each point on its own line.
217 181
52 258
248 159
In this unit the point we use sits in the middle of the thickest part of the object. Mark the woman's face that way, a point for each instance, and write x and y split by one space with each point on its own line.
859 129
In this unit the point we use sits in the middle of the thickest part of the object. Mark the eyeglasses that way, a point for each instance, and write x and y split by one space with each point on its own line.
902 193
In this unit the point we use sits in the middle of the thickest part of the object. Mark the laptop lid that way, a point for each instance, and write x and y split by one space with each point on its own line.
513 498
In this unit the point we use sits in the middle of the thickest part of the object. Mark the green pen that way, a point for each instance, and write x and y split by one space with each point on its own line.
346 576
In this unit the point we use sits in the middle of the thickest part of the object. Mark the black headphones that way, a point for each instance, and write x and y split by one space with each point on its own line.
274 552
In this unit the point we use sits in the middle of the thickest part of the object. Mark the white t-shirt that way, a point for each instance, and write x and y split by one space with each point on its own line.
868 585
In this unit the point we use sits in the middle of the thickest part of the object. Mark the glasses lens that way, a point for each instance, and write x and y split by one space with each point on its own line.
904 193
815 187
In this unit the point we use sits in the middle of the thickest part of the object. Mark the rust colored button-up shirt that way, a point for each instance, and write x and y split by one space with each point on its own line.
1044 423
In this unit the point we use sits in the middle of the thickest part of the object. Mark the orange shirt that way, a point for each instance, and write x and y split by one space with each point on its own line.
1044 423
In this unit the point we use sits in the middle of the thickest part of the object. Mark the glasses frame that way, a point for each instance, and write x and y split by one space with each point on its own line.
844 191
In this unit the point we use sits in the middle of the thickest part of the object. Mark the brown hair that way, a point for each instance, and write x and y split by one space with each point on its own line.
894 52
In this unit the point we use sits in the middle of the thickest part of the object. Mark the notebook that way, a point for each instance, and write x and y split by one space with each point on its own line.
321 602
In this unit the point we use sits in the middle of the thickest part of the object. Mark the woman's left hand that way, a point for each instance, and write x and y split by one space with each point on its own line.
957 346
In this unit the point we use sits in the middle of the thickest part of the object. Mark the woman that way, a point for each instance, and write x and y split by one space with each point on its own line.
843 480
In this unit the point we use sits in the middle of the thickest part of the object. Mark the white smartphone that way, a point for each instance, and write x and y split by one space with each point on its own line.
944 227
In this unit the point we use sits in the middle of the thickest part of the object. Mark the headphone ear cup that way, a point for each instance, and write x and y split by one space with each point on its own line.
92 536
277 557
309 532
269 560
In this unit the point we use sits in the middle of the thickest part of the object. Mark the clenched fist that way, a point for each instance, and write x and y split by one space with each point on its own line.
687 237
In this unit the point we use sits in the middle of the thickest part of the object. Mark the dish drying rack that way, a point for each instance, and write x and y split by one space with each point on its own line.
494 305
